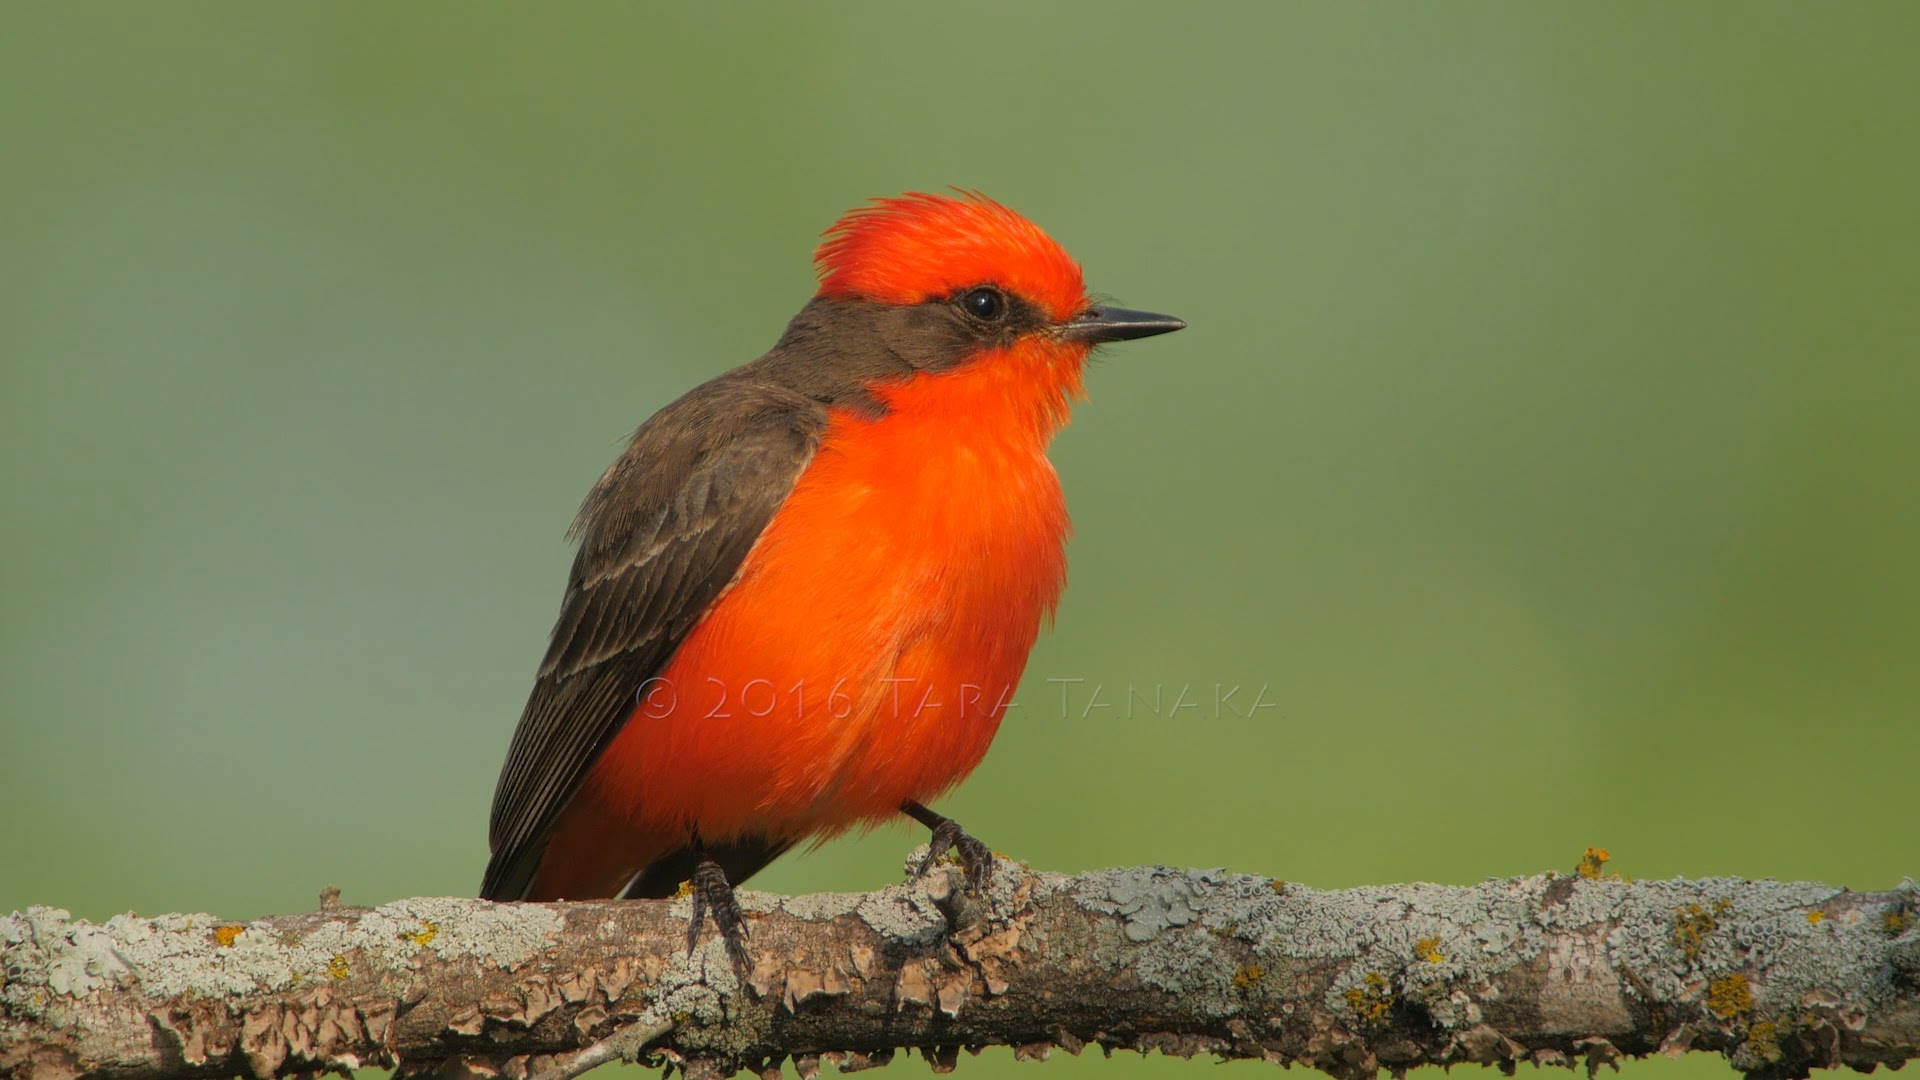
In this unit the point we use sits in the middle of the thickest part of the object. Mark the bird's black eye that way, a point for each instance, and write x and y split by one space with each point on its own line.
984 303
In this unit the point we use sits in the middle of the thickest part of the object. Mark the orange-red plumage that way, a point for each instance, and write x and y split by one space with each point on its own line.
864 652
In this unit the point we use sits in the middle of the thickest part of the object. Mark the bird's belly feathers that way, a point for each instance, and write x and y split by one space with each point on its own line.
865 653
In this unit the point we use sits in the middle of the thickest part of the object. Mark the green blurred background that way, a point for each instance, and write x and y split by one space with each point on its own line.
1544 441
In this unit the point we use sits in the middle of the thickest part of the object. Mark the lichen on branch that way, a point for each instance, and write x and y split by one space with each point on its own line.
1552 969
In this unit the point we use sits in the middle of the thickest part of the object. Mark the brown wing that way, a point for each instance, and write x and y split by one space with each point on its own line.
661 535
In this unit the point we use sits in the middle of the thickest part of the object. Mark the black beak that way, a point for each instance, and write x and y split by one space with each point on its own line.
1118 324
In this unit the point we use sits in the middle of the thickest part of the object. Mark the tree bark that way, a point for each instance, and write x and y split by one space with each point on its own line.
1553 969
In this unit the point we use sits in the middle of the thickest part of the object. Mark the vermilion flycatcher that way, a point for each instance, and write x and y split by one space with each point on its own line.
804 593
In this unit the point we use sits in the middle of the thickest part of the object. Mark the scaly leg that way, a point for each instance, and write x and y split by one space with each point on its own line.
713 894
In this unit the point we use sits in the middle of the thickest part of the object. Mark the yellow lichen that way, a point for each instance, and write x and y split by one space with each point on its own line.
1729 997
685 890
1763 1042
1371 1003
1428 949
227 935
1592 863
1249 977
1279 888
1693 922
1815 918
1896 921
337 968
427 932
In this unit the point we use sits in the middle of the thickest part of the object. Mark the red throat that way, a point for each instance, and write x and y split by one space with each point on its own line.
1022 395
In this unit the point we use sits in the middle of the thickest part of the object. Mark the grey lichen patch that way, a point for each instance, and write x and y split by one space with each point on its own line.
186 955
1439 946
1795 958
1672 934
176 954
1189 962
1149 900
1574 902
1439 933
396 936
1433 945
498 935
909 914
910 866
47 955
1430 937
1005 885
756 902
821 907
1905 948
1308 924
168 955
691 994
1175 928
1494 919
695 986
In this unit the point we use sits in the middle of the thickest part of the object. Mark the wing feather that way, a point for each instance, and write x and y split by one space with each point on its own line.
661 535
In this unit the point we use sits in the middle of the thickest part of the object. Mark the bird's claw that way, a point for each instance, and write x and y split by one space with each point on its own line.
975 857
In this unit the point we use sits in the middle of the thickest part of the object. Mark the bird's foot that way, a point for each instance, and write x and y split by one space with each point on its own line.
713 895
975 857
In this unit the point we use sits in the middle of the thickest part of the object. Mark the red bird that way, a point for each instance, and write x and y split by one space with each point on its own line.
805 592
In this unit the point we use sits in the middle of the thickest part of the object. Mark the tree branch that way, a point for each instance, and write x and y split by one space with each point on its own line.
1551 969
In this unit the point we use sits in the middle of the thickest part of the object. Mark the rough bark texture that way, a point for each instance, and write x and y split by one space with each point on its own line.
1550 969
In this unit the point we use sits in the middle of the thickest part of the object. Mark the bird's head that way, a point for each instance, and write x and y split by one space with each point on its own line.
962 285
